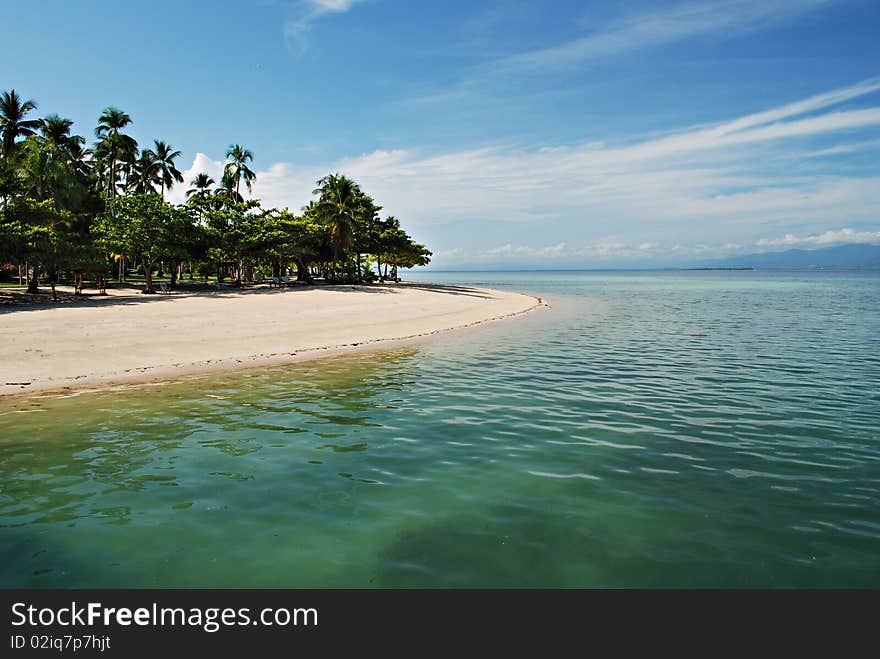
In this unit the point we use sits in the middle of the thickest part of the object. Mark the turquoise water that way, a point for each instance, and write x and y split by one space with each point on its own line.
650 429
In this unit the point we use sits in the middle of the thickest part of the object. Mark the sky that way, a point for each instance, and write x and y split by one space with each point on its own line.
502 133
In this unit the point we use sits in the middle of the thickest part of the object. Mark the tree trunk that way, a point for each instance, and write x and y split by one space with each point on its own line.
148 277
174 269
302 272
33 287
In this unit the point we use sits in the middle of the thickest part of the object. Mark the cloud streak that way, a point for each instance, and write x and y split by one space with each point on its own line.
297 29
655 28
726 184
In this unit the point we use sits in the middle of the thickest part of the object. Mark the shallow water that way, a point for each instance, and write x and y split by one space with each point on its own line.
650 429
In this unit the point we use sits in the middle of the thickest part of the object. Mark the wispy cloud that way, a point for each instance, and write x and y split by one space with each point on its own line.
612 249
720 185
658 27
297 29
825 239
526 75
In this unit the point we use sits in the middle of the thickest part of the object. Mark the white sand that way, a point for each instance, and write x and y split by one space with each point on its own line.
130 338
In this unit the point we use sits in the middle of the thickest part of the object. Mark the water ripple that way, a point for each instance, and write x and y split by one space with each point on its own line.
683 429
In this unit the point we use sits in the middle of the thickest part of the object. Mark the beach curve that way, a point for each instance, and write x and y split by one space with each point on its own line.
128 339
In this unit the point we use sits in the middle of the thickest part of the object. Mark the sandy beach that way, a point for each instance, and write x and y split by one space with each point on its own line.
126 337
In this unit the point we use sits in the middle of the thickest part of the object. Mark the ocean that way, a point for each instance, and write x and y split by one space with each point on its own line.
649 429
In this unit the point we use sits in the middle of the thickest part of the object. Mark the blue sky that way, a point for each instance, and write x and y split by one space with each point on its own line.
507 133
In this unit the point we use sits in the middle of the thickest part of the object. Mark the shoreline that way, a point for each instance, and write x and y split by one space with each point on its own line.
324 322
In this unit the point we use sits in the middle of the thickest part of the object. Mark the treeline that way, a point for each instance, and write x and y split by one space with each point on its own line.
70 213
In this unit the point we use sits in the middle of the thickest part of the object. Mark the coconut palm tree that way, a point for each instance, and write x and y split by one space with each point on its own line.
114 147
80 157
144 175
227 188
55 138
167 173
237 168
200 185
339 205
38 169
55 130
12 119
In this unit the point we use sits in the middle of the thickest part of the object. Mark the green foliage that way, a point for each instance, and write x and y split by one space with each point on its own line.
236 171
13 121
146 227
64 207
39 232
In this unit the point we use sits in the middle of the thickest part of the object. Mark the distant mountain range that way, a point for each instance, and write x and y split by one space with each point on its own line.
844 256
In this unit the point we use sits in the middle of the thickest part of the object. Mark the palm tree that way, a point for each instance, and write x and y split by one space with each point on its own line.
38 170
339 205
114 147
228 189
12 119
167 173
66 149
144 173
200 185
237 168
80 156
55 130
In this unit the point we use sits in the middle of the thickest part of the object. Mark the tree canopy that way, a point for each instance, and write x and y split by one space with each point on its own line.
67 207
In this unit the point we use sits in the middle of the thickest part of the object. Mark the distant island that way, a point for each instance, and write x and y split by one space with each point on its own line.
863 256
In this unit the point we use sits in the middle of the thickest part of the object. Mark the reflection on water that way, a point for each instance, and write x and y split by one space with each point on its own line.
687 429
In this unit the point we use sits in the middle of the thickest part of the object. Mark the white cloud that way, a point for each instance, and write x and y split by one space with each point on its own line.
615 250
826 239
703 188
332 5
654 28
201 164
296 29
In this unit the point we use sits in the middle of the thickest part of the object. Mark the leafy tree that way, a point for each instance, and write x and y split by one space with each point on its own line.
394 247
8 183
144 226
39 232
229 227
